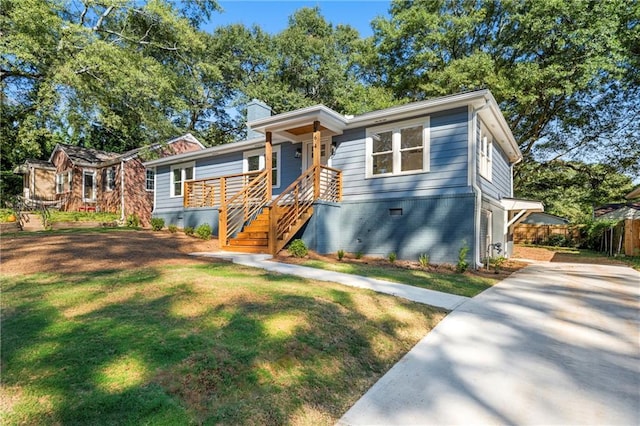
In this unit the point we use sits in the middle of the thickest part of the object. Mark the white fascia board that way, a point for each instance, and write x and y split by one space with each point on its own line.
187 137
517 204
329 119
475 99
498 125
207 152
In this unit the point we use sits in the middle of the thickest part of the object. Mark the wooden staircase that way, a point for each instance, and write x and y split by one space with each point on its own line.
251 223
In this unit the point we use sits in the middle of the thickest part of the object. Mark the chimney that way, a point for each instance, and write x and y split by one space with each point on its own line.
255 110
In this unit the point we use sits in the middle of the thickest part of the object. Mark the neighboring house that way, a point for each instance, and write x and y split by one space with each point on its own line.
426 177
86 179
543 228
628 216
544 219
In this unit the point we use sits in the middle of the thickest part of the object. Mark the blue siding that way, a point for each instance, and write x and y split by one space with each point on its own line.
291 166
500 185
448 163
222 165
439 226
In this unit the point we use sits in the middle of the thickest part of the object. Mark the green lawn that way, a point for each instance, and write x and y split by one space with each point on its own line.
454 283
207 343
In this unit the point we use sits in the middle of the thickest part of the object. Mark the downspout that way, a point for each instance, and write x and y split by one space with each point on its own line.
122 190
505 230
474 184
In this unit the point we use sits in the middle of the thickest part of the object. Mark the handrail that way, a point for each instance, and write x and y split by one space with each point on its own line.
243 206
317 182
213 191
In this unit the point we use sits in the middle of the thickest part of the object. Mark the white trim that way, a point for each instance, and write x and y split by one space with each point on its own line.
261 161
183 179
92 172
307 144
396 149
485 164
146 179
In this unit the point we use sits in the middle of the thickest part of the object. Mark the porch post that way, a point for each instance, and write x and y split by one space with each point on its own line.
316 159
268 163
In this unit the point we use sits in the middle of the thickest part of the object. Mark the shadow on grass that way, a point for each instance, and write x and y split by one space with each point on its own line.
108 347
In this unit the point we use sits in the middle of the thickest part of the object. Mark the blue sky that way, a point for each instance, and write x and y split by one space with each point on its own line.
273 16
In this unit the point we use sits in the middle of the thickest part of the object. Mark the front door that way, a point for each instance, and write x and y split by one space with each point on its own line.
325 152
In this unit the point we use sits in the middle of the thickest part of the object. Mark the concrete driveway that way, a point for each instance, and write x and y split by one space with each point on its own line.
555 343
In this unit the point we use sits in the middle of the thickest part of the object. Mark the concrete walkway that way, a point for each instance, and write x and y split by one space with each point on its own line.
552 344
416 294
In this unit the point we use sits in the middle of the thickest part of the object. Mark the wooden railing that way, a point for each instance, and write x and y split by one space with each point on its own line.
213 192
317 182
243 206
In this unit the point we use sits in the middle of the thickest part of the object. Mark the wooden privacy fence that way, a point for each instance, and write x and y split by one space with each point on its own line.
539 234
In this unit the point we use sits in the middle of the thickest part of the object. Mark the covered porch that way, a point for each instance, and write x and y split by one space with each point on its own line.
251 219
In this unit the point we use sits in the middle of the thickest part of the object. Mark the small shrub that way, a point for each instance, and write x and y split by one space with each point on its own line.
133 221
204 231
157 223
172 228
298 248
358 255
392 257
340 254
497 262
424 260
189 230
462 265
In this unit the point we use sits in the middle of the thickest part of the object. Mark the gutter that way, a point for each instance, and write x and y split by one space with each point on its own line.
474 184
122 190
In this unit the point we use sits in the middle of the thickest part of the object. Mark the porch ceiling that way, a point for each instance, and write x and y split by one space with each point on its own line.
294 125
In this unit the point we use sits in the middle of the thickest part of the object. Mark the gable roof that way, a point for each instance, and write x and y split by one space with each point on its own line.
37 164
635 193
83 156
609 209
94 157
291 125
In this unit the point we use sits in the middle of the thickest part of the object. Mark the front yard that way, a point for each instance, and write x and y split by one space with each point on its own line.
124 328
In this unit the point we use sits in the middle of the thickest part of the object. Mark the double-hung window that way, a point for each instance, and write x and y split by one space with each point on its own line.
151 180
60 182
397 149
111 179
254 161
486 153
179 175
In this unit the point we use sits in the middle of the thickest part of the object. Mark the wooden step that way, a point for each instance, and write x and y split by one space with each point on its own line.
247 249
252 234
256 228
249 242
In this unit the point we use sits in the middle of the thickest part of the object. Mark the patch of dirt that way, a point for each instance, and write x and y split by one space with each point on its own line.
533 253
508 267
561 255
93 251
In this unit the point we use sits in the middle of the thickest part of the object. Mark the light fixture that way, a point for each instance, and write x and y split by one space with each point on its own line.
298 153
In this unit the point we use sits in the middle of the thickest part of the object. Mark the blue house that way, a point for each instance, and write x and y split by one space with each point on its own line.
425 177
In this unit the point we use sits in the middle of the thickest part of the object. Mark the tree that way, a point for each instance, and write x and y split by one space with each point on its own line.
115 74
573 189
308 63
565 73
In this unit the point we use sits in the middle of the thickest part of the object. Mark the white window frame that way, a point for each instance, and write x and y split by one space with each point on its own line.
91 172
182 167
60 182
397 150
152 180
485 153
261 162
110 176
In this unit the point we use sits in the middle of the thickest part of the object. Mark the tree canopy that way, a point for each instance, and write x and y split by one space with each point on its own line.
118 74
564 72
